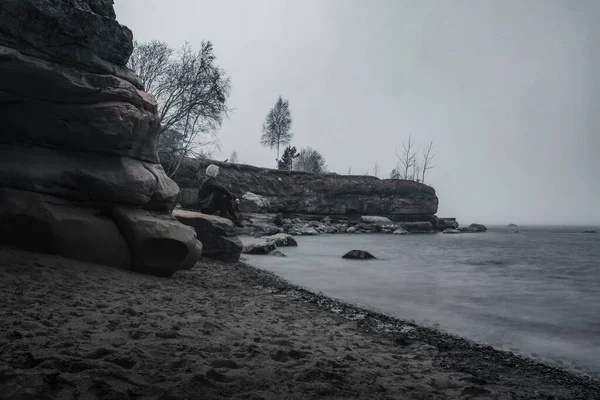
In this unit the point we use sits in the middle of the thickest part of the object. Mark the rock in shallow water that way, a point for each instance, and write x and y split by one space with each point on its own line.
476 228
358 255
282 240
277 253
452 231
259 248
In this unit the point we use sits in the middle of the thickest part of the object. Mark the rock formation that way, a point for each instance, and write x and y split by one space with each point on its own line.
218 235
359 255
342 198
79 170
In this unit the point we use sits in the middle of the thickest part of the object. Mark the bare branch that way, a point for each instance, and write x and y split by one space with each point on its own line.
192 94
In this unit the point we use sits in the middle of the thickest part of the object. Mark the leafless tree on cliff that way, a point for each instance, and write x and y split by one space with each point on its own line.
191 92
277 126
427 159
406 160
376 170
349 170
310 160
233 158
416 172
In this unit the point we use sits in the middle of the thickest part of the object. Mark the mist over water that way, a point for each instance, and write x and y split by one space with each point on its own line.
536 293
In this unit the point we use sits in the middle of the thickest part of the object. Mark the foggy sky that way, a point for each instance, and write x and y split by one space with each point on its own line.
509 91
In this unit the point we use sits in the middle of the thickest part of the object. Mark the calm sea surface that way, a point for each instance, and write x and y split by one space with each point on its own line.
536 293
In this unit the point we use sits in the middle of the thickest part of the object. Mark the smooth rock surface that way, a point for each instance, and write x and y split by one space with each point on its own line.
217 234
47 224
282 240
373 219
159 243
451 231
476 228
358 255
260 248
193 257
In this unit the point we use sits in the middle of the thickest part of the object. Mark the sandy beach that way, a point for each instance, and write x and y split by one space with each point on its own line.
76 330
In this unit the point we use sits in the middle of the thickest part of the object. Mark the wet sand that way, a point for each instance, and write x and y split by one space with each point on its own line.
76 330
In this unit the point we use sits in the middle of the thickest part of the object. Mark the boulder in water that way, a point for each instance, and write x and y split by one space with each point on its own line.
417 227
282 240
358 255
476 228
401 231
512 226
451 231
259 248
277 253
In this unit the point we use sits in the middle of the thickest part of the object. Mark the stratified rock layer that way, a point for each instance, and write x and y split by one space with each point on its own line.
79 171
275 191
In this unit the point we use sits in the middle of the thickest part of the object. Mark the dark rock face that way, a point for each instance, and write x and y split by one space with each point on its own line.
78 33
358 255
78 163
275 191
476 228
218 235
282 240
441 224
260 248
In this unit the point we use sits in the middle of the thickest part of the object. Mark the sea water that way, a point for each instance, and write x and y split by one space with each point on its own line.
535 292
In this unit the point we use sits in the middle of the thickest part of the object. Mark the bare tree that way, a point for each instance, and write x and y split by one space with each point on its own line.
233 158
406 159
427 159
376 170
349 170
191 92
310 160
277 125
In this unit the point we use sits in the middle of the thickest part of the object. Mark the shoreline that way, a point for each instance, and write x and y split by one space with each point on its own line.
74 329
402 330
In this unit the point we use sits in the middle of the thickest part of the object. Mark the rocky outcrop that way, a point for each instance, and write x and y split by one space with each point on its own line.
282 240
451 231
159 243
441 224
218 235
474 228
300 194
260 248
78 160
359 255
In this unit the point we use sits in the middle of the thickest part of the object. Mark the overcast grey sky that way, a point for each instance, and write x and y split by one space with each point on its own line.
508 90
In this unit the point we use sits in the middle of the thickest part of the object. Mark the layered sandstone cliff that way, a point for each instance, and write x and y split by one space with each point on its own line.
301 193
79 171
